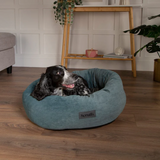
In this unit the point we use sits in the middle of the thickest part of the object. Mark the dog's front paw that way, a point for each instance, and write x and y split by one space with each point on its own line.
82 90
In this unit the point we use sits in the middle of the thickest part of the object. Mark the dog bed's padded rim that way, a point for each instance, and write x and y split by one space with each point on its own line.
58 113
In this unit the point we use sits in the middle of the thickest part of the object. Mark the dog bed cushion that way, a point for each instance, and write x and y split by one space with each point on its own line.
77 112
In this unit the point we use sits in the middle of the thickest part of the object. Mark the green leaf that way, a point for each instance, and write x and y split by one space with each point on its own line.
151 31
152 47
55 2
157 40
139 50
152 17
136 30
62 8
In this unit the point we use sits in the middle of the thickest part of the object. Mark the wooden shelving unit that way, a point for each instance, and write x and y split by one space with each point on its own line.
66 32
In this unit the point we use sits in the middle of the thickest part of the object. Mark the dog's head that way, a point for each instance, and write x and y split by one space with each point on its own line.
58 81
60 77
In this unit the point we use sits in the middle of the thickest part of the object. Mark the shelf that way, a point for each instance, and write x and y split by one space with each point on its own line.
110 6
104 8
99 8
99 57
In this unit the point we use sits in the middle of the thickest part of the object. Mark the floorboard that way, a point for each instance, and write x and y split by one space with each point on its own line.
134 135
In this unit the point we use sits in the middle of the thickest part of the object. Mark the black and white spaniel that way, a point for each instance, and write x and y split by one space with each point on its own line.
58 81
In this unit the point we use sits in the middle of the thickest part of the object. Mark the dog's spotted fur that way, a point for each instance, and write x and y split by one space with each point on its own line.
58 81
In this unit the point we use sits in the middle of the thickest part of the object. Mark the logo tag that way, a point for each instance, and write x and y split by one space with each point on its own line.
88 114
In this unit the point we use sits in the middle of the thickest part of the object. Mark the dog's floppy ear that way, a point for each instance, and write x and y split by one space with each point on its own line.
49 71
63 67
41 90
38 94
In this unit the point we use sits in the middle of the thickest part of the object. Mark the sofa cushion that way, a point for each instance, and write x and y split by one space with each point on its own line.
7 40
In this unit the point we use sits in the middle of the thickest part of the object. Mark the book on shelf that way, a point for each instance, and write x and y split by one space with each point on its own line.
113 55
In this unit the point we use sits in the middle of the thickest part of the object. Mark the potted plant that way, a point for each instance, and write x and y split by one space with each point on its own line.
63 10
150 31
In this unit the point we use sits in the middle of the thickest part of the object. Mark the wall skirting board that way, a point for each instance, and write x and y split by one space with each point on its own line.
39 37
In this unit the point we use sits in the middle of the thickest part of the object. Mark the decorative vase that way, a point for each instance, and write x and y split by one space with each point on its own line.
156 76
117 2
114 2
124 2
106 2
111 2
119 51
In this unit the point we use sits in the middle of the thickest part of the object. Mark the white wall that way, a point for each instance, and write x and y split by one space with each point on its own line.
39 37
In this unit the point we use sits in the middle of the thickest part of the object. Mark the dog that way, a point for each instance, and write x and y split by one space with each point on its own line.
58 81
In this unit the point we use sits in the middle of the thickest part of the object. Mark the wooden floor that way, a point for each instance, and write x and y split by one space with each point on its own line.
134 135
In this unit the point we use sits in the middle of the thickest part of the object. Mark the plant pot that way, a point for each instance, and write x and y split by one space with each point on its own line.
156 76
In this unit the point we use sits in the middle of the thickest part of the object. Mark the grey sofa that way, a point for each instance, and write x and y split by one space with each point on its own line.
7 53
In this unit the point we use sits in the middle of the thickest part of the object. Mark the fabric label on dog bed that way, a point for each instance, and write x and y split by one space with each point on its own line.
88 114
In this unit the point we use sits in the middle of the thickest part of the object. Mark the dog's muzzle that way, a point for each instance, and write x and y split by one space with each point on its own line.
69 81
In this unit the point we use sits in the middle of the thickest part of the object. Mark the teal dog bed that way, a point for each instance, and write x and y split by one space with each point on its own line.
77 112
